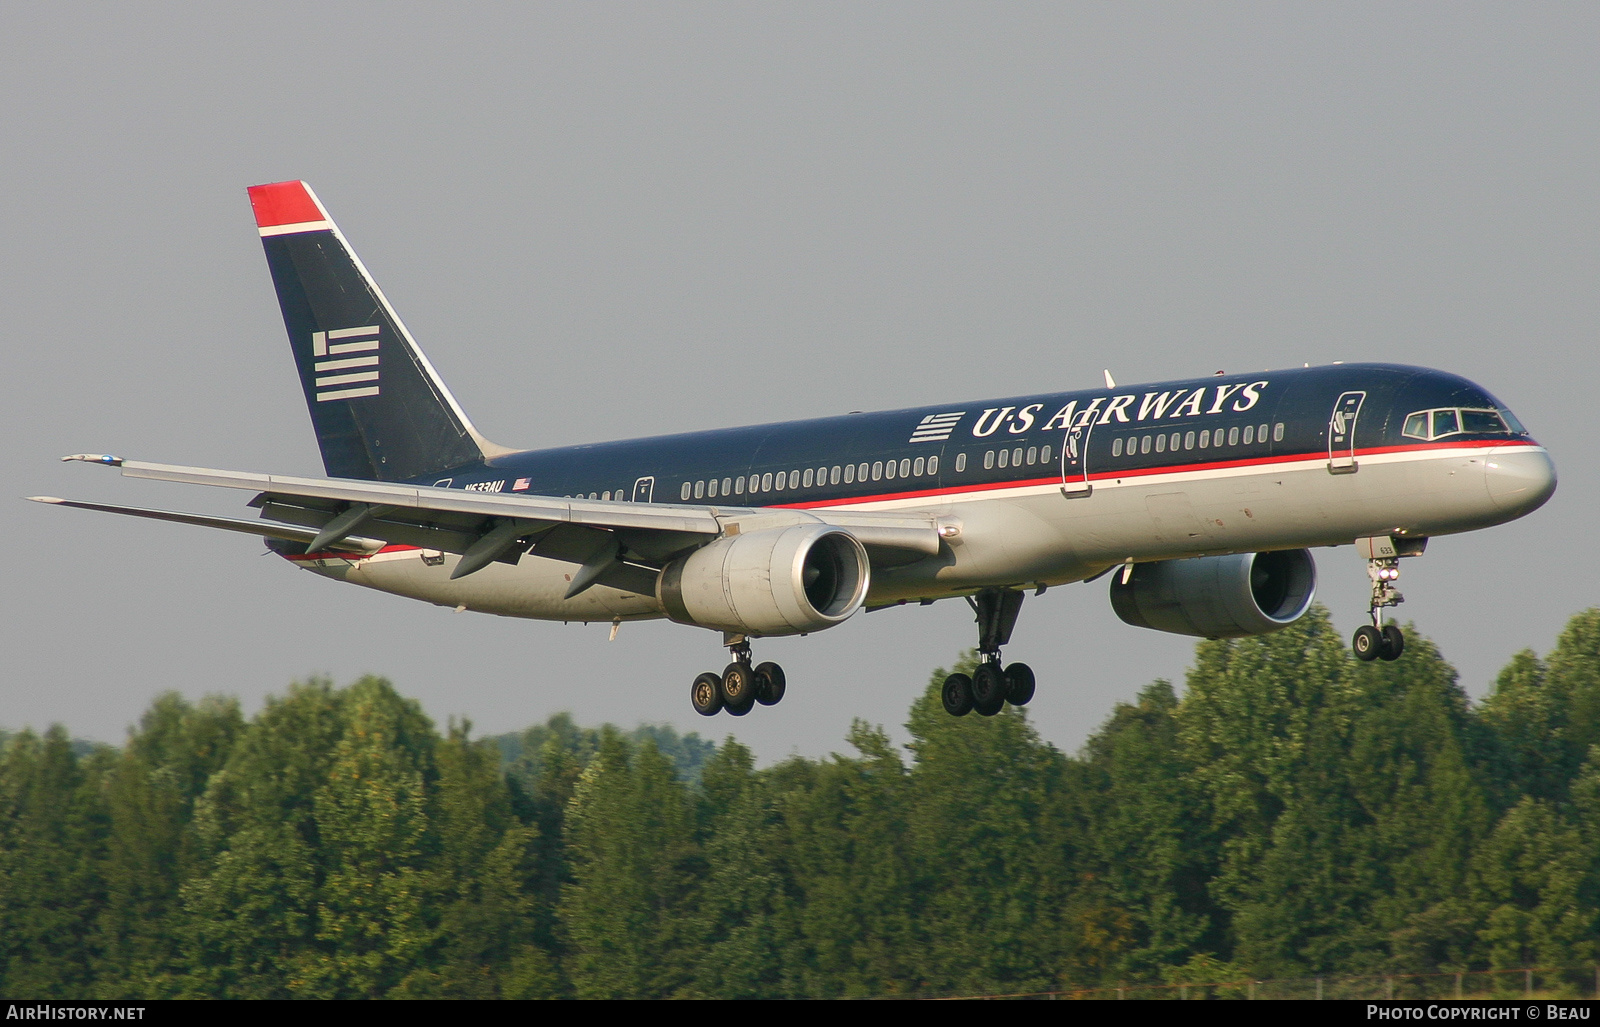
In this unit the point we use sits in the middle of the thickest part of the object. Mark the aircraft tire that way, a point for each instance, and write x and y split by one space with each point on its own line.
988 689
957 695
738 688
1367 643
705 695
1394 642
770 684
1019 684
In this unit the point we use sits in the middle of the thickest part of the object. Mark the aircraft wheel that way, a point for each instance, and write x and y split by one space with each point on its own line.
1019 684
738 689
705 695
1394 642
1367 643
988 689
957 695
770 684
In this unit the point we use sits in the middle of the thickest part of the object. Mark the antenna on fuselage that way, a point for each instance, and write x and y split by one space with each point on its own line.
1110 382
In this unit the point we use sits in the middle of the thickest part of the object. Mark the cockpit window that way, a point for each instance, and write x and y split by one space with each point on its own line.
1435 424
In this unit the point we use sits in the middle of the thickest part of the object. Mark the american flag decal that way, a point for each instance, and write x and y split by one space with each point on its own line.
341 374
937 427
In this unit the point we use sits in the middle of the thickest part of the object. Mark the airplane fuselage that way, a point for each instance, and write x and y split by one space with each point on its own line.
1039 490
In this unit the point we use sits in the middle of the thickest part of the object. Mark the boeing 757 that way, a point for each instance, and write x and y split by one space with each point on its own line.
1199 500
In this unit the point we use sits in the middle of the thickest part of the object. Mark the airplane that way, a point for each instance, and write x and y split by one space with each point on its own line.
1200 499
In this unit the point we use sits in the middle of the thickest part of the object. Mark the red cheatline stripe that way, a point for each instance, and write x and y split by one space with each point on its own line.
997 486
284 203
351 556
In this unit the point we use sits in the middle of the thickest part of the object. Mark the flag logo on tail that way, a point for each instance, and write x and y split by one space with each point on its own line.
346 362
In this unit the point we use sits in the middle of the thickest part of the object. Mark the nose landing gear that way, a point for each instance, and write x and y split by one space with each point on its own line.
990 687
1378 641
740 686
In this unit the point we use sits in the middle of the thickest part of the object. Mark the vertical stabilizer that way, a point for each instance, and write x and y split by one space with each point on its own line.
379 409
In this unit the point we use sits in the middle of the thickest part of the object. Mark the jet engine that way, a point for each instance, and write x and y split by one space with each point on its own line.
778 581
1218 596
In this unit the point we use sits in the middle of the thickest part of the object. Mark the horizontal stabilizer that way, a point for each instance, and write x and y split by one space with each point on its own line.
260 529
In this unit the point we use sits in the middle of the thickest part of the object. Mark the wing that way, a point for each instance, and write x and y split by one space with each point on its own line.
620 544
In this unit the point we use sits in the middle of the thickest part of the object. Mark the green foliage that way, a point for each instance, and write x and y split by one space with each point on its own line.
1292 812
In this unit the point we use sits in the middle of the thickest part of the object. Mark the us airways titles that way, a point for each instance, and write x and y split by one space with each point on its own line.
1236 398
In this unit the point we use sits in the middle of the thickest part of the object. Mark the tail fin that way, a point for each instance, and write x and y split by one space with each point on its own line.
380 411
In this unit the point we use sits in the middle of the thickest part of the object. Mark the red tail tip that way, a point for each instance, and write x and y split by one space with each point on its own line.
284 203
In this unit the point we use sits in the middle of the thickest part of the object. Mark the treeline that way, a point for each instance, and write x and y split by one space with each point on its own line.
1294 813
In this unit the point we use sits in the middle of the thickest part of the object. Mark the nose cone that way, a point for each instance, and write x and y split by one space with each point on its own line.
1519 478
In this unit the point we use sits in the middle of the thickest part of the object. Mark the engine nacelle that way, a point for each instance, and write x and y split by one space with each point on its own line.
1218 596
780 581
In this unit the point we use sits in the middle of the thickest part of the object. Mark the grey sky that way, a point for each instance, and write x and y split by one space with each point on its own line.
607 220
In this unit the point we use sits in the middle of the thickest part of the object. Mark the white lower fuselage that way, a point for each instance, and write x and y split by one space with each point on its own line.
1029 533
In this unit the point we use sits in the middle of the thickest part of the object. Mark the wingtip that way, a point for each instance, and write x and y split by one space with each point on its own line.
44 499
94 458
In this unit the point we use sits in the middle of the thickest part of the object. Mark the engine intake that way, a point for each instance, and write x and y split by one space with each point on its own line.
781 581
1218 596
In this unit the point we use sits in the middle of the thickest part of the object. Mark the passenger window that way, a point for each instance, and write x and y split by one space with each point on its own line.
1205 439
877 469
1172 443
919 466
738 485
606 495
1188 440
1161 443
1233 435
1005 458
833 476
888 470
1277 432
1116 447
1033 455
684 492
699 489
988 459
1044 454
727 485
1249 434
861 472
905 467
1016 457
1144 444
822 476
1261 433
711 489
809 478
794 479
961 462
933 465
849 474
766 482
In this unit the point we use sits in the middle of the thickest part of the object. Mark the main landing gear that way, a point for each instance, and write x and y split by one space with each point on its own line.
1377 641
989 687
739 687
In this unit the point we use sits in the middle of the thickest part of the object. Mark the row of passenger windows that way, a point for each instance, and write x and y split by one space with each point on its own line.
1009 457
757 484
1138 445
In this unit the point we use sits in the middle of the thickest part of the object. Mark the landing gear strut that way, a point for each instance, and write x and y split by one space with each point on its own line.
1378 641
740 686
990 687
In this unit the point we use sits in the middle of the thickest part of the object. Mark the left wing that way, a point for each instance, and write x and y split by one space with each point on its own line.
619 544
